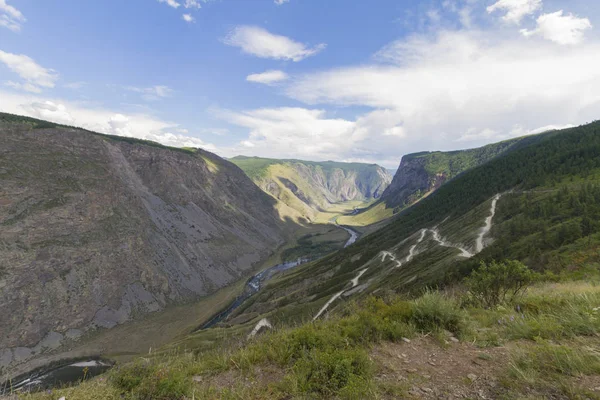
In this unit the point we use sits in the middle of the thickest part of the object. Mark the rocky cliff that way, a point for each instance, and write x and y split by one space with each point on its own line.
310 187
98 230
420 174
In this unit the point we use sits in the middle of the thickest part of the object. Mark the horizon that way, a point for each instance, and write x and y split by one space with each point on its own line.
291 79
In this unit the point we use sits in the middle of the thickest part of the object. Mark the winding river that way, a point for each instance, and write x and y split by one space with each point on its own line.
254 284
76 371
50 377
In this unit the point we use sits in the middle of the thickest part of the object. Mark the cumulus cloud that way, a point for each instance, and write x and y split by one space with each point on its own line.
188 18
281 2
170 3
560 28
35 76
291 132
10 17
515 10
268 77
261 43
192 4
142 126
460 86
48 110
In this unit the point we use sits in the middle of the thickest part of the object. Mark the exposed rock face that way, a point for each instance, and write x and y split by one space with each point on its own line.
422 173
411 182
316 185
96 231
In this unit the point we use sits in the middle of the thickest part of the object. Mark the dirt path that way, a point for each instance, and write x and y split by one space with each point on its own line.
423 369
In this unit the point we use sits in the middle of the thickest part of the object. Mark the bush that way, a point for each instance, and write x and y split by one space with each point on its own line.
327 373
433 312
130 376
497 282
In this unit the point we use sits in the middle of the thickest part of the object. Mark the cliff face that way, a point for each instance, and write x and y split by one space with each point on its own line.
420 174
95 231
411 182
313 186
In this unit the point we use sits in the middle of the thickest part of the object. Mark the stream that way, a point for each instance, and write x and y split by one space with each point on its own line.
55 376
254 284
76 371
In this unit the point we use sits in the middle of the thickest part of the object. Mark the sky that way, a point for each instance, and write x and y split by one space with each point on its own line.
345 80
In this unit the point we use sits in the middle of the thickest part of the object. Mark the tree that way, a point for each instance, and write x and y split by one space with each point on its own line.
498 282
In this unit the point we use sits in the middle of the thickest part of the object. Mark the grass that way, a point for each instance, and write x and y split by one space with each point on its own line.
330 358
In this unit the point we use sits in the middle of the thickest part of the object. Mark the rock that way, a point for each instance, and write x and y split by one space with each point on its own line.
405 340
454 340
197 379
472 377
122 229
62 398
427 390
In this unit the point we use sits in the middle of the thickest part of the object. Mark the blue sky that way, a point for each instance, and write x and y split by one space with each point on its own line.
362 80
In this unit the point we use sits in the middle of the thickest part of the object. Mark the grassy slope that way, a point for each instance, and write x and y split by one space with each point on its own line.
302 361
447 164
567 159
310 200
545 350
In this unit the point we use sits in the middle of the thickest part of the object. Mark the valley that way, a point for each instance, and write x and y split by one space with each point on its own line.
533 200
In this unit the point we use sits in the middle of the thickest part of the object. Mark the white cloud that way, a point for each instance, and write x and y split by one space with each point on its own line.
152 93
559 28
292 132
48 110
10 17
281 2
261 43
170 3
28 87
516 10
435 92
268 77
192 4
35 76
142 126
188 18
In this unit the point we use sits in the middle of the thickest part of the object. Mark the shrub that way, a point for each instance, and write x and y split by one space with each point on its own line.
130 376
433 312
497 282
327 373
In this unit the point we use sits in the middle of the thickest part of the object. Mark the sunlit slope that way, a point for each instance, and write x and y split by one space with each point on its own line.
313 187
539 203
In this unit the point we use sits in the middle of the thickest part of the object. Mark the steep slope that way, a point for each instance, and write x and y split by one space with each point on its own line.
98 230
310 187
538 203
420 174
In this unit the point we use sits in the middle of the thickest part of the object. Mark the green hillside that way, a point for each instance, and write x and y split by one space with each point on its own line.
405 312
313 187
420 174
545 218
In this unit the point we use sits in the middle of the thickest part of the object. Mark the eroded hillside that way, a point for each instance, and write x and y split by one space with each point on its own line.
96 231
312 187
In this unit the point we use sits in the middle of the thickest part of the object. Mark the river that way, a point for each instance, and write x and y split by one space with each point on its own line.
73 372
254 284
54 376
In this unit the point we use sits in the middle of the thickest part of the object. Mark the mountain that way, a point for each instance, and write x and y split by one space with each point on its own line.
420 174
310 187
97 230
538 203
390 316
